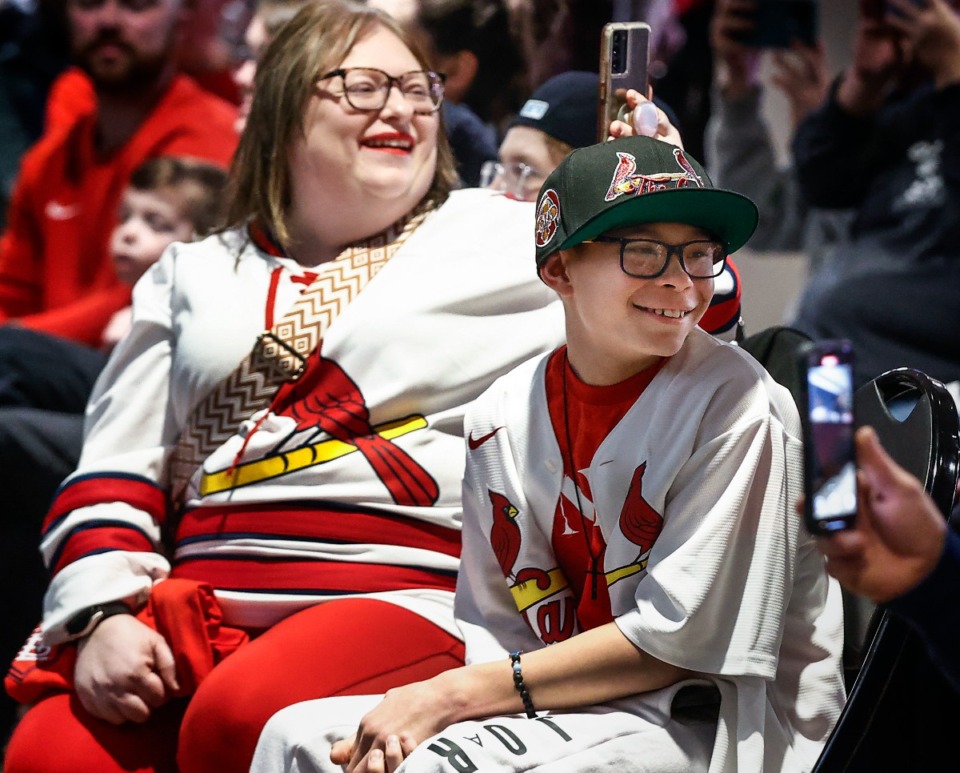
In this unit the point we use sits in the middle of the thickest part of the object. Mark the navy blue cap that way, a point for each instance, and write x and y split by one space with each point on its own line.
565 107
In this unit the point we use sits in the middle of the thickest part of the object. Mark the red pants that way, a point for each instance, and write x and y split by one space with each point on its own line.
346 647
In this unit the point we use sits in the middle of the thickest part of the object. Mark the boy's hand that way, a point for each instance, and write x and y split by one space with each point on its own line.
388 733
665 130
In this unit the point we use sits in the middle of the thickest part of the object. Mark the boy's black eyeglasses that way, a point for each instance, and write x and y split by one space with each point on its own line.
648 258
367 88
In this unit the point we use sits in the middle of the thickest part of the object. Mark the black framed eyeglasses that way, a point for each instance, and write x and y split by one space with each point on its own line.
648 258
367 88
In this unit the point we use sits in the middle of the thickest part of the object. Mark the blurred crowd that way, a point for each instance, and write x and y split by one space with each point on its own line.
120 119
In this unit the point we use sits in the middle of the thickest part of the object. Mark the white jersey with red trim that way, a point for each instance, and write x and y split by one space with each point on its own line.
706 563
320 509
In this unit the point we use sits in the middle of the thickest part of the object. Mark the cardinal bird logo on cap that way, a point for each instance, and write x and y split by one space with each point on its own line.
548 217
627 182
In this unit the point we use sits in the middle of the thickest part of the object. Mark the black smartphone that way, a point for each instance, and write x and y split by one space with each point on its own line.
777 23
830 464
624 58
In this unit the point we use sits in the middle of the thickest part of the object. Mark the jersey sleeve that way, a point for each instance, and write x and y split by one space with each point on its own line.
721 574
102 537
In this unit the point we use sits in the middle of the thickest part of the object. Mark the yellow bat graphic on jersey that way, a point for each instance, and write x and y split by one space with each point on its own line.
289 461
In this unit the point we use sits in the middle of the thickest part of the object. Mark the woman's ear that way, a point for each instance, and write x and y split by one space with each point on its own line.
554 273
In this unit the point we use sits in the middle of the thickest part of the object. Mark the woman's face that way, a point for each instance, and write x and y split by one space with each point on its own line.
346 156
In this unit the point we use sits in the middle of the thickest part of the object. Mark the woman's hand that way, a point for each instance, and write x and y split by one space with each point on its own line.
124 670
665 130
405 717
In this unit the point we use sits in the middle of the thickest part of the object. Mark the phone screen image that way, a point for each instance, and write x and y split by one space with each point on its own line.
831 470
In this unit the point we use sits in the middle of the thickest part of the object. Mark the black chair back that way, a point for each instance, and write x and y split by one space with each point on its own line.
900 713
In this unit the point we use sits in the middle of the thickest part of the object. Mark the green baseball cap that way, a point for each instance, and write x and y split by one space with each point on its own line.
630 181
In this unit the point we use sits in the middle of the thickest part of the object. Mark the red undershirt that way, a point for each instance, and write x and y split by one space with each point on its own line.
590 414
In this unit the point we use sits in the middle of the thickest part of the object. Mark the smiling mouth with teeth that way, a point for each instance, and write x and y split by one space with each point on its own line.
672 313
389 144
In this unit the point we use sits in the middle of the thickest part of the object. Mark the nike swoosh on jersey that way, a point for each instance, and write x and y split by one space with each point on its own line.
475 443
57 211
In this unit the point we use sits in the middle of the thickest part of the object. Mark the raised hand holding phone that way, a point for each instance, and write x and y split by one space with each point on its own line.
624 57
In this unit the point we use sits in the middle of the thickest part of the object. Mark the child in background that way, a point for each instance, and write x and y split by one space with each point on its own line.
42 408
627 501
168 200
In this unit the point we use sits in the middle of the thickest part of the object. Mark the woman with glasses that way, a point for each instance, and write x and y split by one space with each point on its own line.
269 497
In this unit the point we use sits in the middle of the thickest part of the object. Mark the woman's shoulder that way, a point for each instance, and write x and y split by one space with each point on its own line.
211 253
486 210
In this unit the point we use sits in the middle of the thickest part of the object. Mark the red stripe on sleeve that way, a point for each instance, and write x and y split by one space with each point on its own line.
100 540
137 492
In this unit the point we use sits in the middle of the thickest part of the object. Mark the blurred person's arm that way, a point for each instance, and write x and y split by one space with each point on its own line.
739 150
836 149
85 319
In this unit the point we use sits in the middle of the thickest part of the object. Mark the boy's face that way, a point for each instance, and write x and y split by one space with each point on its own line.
149 222
524 147
616 322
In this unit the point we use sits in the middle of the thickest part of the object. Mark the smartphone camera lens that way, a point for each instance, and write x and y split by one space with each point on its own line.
618 52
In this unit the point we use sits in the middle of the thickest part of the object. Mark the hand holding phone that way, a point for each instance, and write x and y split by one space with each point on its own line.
624 57
830 465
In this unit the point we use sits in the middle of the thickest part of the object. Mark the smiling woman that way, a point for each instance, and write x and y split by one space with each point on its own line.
274 459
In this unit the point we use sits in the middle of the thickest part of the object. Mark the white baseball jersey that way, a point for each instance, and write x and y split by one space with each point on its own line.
731 586
313 517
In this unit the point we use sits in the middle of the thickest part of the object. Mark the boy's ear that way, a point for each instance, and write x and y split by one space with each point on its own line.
554 274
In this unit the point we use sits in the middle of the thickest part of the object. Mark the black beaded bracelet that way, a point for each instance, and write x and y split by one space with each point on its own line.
521 687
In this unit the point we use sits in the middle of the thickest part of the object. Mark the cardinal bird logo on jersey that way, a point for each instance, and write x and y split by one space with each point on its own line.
327 400
332 420
639 522
505 532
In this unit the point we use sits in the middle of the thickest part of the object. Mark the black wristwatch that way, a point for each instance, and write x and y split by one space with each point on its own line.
83 623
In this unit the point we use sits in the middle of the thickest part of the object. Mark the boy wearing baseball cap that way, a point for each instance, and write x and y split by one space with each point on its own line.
627 501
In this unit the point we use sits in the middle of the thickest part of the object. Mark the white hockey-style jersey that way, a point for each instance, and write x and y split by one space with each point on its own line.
314 516
732 587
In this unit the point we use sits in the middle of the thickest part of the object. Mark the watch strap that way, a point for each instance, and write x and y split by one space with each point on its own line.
83 623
